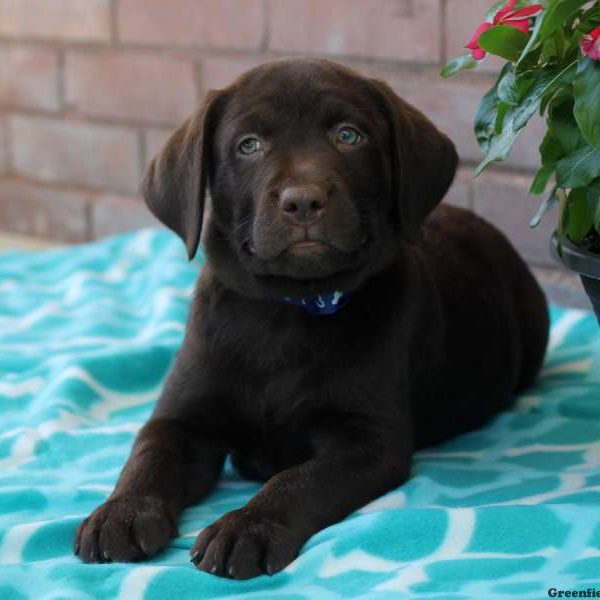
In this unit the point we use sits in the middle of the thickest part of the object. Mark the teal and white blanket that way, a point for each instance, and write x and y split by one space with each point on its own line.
87 335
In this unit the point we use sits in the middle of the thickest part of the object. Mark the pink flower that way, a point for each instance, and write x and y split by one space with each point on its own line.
518 18
590 44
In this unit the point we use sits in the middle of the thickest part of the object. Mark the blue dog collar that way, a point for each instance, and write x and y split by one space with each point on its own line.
321 305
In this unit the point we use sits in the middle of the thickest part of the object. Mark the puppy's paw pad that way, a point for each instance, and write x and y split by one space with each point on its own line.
124 530
242 545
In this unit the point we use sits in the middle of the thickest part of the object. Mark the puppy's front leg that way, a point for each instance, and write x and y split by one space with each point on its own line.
266 535
169 468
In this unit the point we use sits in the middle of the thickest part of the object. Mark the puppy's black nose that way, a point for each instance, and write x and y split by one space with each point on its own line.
303 204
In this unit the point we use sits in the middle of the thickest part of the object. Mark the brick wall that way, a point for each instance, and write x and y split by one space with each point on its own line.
89 90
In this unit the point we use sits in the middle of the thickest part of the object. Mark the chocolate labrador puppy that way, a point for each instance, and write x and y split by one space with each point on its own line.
340 322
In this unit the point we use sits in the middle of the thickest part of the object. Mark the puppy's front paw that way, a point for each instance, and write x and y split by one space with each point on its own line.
124 530
242 545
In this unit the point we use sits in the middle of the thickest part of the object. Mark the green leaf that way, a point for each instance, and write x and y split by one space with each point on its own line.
559 94
458 63
487 113
517 117
505 41
533 39
548 50
550 150
550 23
594 187
507 89
562 124
578 217
593 198
540 181
588 21
578 169
557 13
561 198
524 84
545 206
586 88
560 43
503 109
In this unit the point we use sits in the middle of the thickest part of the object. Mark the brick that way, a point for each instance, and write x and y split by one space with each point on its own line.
228 24
72 20
218 72
130 86
29 78
3 145
155 140
525 153
562 287
407 30
132 214
503 199
462 19
459 193
66 151
39 211
452 104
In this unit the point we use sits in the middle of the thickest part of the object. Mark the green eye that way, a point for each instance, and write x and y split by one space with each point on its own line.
249 145
349 136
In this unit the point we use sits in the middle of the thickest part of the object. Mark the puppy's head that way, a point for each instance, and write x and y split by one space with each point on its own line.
317 175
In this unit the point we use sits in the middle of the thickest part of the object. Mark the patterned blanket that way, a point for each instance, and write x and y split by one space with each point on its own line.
87 335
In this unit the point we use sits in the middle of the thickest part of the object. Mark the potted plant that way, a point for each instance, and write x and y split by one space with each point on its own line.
552 54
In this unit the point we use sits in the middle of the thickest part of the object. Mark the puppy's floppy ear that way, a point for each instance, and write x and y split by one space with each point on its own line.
424 161
176 182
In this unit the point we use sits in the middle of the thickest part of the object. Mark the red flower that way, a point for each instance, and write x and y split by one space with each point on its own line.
507 15
590 44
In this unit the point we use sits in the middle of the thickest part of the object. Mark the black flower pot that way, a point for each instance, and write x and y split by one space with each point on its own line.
587 264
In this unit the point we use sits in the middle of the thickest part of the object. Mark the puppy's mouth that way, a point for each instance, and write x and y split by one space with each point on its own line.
307 247
306 259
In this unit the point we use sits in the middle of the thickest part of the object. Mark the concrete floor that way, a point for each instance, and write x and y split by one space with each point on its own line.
13 241
561 286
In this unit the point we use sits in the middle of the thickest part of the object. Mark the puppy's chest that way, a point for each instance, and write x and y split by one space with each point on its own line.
267 348
272 429
281 400
281 369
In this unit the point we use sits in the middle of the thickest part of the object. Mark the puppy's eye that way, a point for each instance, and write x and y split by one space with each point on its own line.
249 145
349 136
